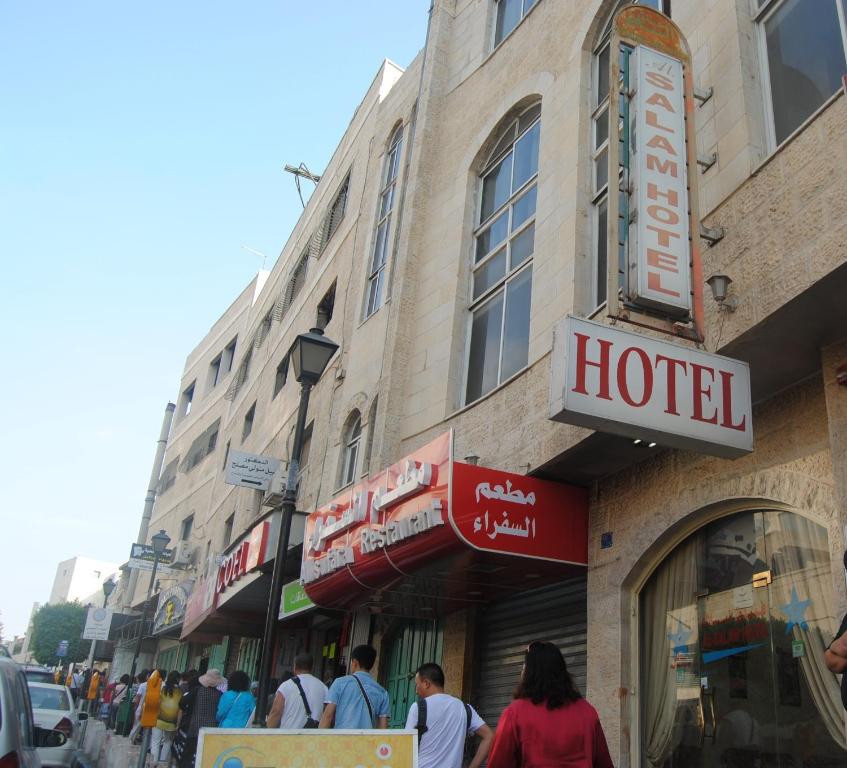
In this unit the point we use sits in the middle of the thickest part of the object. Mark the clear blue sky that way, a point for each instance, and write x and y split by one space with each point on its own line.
141 145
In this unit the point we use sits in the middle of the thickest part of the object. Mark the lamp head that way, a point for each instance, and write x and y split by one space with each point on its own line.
109 587
160 542
310 354
719 283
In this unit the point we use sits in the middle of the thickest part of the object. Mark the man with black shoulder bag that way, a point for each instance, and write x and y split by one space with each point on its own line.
444 722
299 701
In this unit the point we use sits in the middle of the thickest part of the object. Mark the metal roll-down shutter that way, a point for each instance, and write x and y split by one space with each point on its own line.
555 614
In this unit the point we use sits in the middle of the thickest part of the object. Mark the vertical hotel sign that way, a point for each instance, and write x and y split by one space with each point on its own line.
655 151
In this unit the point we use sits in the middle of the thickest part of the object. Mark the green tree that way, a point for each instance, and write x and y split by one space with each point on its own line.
54 623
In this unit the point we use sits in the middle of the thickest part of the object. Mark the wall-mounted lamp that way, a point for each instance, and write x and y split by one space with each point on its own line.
472 458
719 283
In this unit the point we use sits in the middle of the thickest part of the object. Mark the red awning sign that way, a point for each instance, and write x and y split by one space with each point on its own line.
426 508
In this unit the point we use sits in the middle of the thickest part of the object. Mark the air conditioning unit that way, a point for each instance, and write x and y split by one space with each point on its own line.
275 493
184 553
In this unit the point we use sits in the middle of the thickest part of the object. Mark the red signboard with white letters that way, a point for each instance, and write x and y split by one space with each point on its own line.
246 557
426 508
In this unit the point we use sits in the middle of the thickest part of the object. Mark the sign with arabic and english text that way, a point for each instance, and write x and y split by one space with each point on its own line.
98 621
428 507
250 470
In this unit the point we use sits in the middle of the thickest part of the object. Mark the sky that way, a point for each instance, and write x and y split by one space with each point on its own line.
141 153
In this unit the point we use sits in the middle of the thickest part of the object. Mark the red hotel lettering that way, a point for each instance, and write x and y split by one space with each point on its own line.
582 362
653 121
662 166
661 260
654 193
658 142
660 81
672 363
701 378
234 567
726 393
664 235
623 386
700 392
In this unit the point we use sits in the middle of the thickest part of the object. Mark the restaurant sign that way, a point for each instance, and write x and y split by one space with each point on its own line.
648 389
428 507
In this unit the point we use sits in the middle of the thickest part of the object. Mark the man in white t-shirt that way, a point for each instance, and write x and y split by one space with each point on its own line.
449 721
289 711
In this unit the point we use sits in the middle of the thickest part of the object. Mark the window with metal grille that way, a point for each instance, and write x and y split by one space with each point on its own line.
382 230
504 242
201 446
331 221
168 477
281 376
249 417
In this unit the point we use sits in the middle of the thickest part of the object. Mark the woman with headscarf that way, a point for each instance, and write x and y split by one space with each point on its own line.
237 704
165 730
548 723
199 708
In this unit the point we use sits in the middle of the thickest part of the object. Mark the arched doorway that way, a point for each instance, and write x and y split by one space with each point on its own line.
733 625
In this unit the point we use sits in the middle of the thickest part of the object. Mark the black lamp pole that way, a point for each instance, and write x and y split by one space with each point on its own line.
160 543
309 356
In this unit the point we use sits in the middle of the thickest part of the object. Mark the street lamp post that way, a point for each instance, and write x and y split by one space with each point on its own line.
108 587
309 356
160 542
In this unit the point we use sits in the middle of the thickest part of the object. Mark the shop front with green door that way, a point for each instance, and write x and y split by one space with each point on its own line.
733 628
411 642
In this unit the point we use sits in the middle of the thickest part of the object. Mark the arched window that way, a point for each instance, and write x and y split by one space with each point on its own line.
504 242
350 456
600 150
382 233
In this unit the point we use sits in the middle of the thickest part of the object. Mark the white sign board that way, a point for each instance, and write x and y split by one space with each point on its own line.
628 384
660 250
250 470
97 623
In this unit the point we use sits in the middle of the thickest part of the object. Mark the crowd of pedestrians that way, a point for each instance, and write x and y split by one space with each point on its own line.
547 724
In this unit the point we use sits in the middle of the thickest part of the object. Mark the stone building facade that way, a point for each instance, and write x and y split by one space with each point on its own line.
396 258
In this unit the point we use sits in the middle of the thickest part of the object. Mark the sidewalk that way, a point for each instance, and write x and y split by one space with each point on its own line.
103 749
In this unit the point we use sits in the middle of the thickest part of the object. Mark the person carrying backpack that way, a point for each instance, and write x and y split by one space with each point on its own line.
444 722
299 701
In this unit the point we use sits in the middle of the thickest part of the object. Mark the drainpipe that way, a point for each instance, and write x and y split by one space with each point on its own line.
155 472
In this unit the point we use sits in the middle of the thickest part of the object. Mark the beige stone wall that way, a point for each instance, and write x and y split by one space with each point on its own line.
657 503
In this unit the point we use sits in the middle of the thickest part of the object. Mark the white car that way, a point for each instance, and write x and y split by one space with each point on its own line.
53 709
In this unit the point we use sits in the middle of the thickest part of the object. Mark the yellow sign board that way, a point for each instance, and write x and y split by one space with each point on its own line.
256 748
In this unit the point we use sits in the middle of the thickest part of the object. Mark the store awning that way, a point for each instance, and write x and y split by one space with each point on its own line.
430 534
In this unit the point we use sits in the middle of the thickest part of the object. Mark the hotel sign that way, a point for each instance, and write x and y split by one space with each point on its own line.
661 276
652 150
645 388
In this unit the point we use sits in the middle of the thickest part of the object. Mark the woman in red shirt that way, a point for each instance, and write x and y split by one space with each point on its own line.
549 724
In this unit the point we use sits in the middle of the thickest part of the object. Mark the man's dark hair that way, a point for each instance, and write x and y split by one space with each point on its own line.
304 662
432 672
238 681
545 677
365 655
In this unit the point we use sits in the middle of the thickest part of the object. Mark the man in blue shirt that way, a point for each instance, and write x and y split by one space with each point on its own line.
356 700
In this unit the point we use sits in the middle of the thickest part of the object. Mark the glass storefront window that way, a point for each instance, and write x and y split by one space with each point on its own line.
733 626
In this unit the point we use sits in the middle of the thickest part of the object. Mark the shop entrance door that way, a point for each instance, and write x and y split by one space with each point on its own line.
415 642
737 679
